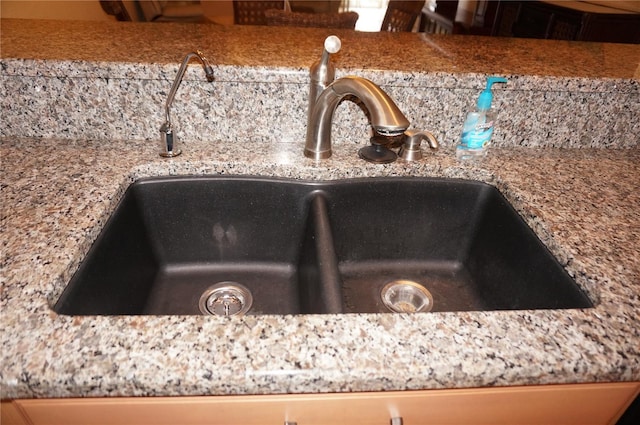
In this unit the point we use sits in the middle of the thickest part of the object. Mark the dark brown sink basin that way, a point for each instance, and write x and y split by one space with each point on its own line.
302 247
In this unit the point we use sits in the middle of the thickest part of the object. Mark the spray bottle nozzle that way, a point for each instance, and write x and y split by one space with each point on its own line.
486 97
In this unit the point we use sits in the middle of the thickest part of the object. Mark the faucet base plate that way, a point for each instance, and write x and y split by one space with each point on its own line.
377 154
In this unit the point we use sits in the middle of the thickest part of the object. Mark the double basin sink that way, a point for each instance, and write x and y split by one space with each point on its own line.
250 245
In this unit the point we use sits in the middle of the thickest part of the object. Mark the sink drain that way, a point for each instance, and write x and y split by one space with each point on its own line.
406 296
226 299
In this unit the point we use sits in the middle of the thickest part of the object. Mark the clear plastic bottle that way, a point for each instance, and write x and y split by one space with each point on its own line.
478 125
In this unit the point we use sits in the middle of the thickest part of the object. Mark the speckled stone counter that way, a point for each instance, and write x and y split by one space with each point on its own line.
109 81
57 192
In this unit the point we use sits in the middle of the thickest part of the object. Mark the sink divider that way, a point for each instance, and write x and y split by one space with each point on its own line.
324 295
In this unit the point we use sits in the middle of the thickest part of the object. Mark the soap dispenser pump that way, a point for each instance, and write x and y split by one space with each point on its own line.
478 125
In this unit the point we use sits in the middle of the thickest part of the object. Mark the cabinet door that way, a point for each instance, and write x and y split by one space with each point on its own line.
552 404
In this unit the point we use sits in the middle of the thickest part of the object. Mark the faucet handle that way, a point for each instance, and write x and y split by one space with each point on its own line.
410 149
332 44
322 72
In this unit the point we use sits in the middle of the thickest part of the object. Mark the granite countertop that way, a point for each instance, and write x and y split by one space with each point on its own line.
58 192
237 48
582 203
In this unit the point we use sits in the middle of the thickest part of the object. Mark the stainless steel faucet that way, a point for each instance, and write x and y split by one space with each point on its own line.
386 117
169 141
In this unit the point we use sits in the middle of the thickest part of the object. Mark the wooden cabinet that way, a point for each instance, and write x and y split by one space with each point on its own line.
10 414
551 404
565 21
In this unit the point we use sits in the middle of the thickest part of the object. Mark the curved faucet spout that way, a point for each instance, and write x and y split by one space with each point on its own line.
168 139
208 70
386 117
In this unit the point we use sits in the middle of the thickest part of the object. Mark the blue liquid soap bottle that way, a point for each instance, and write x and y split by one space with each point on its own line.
478 126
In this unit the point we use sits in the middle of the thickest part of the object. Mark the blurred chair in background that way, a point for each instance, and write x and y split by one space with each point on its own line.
115 8
252 12
317 6
154 10
459 17
345 20
171 11
439 17
401 15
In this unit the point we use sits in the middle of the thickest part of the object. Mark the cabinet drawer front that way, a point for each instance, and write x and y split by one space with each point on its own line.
561 404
